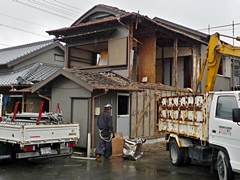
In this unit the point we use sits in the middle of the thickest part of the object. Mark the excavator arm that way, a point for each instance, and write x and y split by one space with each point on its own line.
216 48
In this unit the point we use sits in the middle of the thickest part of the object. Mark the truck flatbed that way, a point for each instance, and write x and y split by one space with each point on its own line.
30 134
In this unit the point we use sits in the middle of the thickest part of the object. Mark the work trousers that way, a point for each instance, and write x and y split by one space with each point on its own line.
104 148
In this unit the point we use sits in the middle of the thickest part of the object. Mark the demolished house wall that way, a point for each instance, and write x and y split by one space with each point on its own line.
144 109
112 50
147 57
164 66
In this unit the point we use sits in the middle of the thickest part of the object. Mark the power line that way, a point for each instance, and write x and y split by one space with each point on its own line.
42 10
25 21
87 2
5 45
61 6
22 30
52 8
215 27
69 5
222 29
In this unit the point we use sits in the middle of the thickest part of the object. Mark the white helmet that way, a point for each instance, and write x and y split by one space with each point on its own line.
108 105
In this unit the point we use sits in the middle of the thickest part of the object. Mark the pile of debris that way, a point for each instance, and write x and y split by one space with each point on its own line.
154 148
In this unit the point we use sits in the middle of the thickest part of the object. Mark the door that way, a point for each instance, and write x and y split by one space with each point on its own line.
123 120
223 131
80 115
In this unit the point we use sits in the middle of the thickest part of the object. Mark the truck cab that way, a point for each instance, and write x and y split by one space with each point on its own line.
224 133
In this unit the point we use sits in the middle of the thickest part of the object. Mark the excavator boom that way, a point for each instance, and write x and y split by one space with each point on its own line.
216 48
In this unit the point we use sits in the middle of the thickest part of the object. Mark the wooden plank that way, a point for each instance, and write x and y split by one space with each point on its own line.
146 119
147 57
117 51
134 109
153 115
143 113
139 131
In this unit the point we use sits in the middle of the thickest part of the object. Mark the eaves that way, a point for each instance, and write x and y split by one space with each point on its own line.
59 32
64 73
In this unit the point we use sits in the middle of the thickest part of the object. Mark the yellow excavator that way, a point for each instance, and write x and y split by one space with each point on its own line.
216 48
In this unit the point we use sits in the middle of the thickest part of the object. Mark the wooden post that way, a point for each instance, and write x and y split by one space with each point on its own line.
175 55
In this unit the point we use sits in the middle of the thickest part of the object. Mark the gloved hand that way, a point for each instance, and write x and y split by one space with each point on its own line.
113 135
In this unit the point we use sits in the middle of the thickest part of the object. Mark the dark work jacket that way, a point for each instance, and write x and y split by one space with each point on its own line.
104 121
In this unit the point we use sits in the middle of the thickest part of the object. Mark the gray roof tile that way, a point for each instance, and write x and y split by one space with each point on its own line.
34 73
100 80
10 54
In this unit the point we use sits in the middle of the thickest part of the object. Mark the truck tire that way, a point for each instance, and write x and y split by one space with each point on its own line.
177 154
223 167
187 159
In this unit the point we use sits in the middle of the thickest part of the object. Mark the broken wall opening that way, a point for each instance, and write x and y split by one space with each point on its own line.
144 116
154 59
108 53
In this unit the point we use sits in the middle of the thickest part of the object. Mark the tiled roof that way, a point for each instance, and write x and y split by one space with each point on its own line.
98 79
63 33
10 54
28 75
99 11
104 80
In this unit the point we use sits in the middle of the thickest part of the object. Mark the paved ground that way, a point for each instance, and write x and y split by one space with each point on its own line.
151 166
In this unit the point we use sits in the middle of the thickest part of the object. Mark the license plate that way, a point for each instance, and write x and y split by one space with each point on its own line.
46 150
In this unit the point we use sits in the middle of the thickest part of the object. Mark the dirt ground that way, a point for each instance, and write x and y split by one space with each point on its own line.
154 148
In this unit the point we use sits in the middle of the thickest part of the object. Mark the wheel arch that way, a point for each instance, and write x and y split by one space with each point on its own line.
217 148
181 141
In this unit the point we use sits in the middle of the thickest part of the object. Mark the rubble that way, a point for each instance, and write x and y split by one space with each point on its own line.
154 148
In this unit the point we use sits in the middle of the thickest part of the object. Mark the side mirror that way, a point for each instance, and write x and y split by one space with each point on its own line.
236 114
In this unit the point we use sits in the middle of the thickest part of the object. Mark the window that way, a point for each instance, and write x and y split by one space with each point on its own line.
225 105
58 57
123 104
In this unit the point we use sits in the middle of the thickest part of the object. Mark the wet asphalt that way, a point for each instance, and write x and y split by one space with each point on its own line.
66 168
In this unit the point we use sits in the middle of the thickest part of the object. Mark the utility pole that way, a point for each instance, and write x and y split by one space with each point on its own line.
233 61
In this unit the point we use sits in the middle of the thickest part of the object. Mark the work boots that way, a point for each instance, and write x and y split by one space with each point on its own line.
98 158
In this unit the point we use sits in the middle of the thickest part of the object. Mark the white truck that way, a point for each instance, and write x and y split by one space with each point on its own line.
204 126
36 135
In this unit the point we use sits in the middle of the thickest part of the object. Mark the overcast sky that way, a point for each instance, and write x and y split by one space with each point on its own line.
26 21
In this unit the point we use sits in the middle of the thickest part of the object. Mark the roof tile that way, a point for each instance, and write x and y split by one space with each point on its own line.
34 73
10 54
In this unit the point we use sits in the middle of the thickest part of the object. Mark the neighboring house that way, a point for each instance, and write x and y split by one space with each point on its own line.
153 56
82 95
23 66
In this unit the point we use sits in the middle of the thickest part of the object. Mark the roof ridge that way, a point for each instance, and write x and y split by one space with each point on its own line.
30 66
31 70
26 45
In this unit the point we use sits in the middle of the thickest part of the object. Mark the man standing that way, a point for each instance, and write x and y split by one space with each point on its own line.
106 133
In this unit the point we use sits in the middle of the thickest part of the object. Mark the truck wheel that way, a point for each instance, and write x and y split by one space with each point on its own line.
187 159
223 167
177 155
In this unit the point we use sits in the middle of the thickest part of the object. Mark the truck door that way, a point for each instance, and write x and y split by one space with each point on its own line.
222 130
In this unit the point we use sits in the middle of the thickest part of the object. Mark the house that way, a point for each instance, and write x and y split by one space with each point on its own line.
82 95
151 55
23 66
